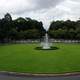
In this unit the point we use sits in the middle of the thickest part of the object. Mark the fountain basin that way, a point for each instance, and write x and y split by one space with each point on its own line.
51 48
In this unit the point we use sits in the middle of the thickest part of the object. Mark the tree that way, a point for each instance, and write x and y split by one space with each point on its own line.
65 29
8 17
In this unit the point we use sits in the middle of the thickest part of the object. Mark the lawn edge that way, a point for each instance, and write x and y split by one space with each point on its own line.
39 74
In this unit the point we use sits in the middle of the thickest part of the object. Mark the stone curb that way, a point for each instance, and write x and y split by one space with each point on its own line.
38 75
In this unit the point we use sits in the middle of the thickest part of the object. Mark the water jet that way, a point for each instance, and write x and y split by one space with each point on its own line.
46 43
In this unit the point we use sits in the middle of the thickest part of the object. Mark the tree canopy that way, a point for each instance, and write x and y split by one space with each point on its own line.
65 29
20 28
27 28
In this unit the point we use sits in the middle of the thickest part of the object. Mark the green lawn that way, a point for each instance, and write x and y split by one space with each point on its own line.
25 58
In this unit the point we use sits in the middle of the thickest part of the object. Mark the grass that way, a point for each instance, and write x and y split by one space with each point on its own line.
25 58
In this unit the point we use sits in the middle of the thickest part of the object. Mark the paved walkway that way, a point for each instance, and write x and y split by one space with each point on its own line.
6 77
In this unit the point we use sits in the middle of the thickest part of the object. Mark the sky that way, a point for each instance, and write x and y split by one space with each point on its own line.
41 10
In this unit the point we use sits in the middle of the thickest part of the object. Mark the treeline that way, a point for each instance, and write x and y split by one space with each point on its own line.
20 28
65 29
27 28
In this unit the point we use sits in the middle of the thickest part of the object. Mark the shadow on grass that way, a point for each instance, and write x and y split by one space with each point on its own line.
52 48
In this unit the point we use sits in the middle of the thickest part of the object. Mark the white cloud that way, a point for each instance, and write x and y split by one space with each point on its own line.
42 10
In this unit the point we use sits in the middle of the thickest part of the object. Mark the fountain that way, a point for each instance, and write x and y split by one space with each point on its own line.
46 44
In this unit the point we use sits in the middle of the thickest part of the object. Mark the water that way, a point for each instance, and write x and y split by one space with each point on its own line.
46 44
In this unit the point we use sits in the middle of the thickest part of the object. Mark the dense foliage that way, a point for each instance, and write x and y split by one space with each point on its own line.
20 28
65 29
27 28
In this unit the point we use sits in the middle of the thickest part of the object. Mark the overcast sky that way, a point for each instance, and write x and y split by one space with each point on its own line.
42 10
